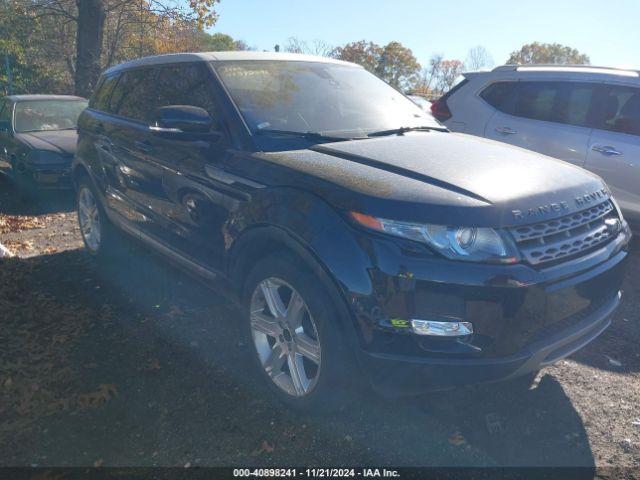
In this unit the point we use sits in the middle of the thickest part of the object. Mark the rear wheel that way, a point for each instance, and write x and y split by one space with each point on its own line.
95 228
295 336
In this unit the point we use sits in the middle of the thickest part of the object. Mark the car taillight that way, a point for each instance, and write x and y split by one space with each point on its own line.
440 110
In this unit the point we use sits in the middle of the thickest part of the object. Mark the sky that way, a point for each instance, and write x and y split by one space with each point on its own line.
607 31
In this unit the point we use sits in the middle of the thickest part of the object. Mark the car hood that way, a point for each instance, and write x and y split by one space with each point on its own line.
443 178
59 141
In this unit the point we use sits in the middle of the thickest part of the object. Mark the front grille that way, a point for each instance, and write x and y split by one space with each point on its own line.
553 240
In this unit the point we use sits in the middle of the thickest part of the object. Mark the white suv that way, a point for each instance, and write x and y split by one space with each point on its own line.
588 116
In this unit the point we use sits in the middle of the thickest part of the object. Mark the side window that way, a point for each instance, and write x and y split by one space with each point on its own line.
188 84
102 95
501 96
619 110
4 111
130 97
539 101
576 105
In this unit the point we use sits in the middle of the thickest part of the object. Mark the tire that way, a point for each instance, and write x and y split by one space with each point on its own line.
99 242
309 342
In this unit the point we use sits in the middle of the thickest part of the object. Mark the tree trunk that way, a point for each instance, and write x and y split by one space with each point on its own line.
91 16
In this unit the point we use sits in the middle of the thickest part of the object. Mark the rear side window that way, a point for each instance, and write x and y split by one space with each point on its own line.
538 100
102 95
619 110
501 96
570 103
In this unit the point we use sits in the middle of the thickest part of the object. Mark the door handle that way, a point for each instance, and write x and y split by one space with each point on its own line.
506 130
606 150
143 146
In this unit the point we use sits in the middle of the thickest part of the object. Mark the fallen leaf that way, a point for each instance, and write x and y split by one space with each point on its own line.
265 447
98 463
457 439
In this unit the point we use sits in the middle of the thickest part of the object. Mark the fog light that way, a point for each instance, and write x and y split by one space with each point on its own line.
441 329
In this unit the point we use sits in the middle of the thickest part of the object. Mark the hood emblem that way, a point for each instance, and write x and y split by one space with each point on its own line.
592 197
581 201
540 210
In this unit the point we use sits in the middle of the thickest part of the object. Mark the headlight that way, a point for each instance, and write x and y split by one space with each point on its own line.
473 244
44 157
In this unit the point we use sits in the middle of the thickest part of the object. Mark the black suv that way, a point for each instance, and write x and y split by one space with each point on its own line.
359 235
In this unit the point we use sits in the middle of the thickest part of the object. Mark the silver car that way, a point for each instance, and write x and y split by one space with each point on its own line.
588 116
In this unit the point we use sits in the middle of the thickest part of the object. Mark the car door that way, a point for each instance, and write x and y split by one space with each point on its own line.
614 146
549 117
192 208
137 180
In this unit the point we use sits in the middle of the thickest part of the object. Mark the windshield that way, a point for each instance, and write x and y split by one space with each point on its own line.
322 97
41 115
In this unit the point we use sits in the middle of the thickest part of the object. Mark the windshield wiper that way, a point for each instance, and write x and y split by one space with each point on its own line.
402 131
307 135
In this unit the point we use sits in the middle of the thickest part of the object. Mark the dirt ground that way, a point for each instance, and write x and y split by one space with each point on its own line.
133 363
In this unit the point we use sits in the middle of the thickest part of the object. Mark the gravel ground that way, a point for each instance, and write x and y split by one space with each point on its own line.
133 363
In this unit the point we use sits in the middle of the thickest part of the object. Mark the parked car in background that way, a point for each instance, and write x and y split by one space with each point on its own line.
588 116
38 138
359 235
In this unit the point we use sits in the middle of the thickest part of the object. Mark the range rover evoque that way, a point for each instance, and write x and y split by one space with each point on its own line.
360 236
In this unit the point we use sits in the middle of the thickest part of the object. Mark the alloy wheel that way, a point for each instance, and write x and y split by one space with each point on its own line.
89 219
285 337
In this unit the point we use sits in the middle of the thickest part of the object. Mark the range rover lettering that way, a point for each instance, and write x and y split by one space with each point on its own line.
361 237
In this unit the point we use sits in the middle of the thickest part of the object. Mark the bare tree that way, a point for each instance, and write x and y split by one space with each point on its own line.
478 58
428 78
316 47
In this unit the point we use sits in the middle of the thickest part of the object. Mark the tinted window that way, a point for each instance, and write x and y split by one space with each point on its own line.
619 110
5 111
560 102
130 96
575 105
187 84
537 100
500 95
102 95
139 93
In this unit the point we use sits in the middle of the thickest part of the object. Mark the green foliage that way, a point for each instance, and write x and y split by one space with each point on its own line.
397 66
547 53
218 42
394 63
24 42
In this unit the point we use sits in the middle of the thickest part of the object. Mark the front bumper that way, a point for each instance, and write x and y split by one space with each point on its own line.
523 318
394 375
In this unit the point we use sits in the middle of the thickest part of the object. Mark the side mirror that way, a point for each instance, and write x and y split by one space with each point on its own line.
5 127
182 119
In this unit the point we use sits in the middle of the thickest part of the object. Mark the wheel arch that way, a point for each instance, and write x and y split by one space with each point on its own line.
260 241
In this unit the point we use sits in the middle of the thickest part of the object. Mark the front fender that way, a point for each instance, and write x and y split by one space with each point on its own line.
308 224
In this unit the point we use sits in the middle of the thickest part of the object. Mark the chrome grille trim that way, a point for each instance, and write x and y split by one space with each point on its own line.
542 229
553 240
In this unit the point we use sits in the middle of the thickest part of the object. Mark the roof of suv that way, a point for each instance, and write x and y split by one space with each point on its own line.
223 57
573 70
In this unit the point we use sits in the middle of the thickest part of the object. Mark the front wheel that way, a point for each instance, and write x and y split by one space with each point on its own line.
295 335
